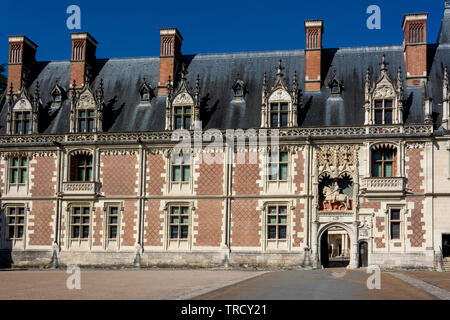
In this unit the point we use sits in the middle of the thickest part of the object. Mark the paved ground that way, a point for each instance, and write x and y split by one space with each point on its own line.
123 284
326 284
438 279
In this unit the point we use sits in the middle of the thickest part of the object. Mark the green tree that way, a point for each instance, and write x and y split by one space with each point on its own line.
3 80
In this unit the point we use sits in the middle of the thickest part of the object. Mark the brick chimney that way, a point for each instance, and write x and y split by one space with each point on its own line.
170 57
82 59
22 54
313 54
415 48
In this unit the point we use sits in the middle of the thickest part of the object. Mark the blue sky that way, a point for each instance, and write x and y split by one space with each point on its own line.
130 28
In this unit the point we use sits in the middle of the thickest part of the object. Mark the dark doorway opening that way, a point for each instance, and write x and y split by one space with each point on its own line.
363 254
446 245
335 248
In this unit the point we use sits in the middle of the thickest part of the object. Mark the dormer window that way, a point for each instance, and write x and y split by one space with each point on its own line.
146 93
239 90
384 98
87 110
86 119
383 111
279 115
279 106
182 117
57 96
21 122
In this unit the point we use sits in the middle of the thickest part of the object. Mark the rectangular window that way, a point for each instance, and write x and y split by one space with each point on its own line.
86 121
279 115
113 223
81 169
179 222
15 220
278 166
182 118
277 222
395 224
181 168
80 223
383 111
22 122
18 170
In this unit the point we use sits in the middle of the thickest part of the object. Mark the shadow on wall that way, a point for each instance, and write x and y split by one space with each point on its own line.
5 251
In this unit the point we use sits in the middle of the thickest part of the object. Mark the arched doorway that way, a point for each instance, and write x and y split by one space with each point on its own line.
363 254
335 247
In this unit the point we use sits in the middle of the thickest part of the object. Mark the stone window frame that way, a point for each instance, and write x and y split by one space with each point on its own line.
169 167
23 120
183 115
168 242
106 211
87 118
289 233
383 111
15 241
69 240
398 156
10 168
403 212
75 152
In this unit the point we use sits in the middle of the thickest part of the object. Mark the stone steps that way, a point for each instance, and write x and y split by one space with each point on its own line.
446 264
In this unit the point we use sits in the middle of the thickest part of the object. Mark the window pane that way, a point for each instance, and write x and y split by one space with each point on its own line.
175 210
15 162
15 176
90 126
114 210
273 172
274 157
186 173
85 232
81 175
377 155
112 232
272 209
89 174
283 171
178 121
19 128
113 220
378 117
388 104
187 110
86 210
26 127
175 220
76 232
174 232
395 214
76 220
274 120
91 114
377 170
19 232
378 104
388 117
284 106
184 210
282 219
272 232
283 157
395 230
388 155
282 210
284 120
77 211
187 122
185 220
274 107
178 110
388 170
82 125
184 232
272 219
23 176
85 220
24 162
11 232
282 232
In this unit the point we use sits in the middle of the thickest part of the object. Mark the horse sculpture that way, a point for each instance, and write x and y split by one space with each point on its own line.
334 195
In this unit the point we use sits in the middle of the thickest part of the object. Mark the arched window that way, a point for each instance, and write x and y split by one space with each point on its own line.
81 168
384 162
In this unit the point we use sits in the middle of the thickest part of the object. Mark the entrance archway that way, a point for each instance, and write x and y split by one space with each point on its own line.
335 247
363 254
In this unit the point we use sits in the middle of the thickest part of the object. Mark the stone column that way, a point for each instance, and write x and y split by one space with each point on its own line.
315 245
354 254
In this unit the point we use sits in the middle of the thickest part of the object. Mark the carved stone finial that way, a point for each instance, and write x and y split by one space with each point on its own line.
280 68
384 64
183 72
446 76
11 95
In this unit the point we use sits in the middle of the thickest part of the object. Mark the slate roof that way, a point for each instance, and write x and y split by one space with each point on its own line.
122 79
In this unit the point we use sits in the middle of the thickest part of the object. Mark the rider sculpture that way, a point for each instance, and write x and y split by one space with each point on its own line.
333 195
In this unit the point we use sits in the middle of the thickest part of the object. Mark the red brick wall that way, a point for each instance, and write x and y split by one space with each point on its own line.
380 225
299 214
129 218
119 174
246 220
153 224
43 212
245 177
414 172
210 219
156 169
42 173
210 179
299 173
98 220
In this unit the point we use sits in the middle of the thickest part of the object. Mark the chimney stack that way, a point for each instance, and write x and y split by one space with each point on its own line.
170 57
313 54
83 58
22 54
415 48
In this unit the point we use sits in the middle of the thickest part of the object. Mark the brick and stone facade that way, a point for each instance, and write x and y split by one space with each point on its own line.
117 195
